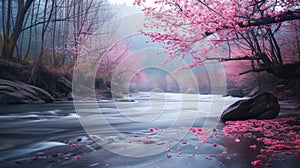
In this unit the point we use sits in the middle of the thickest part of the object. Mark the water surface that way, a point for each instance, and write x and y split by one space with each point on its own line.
143 133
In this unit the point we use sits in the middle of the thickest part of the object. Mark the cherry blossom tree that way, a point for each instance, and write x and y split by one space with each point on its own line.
111 63
238 29
84 17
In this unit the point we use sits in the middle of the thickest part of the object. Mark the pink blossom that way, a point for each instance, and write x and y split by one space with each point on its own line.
256 163
288 153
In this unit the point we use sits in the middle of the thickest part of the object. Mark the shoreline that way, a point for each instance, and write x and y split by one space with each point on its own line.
58 83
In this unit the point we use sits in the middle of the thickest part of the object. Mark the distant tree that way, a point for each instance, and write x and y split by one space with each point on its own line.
47 24
12 26
84 18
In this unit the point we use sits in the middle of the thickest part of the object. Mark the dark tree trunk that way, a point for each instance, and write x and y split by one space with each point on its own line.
10 44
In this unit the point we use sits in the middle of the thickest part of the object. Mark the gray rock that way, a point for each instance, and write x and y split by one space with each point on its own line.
124 100
235 93
263 106
15 92
64 86
253 92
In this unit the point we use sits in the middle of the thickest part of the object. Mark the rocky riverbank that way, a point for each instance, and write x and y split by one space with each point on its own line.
43 82
12 92
284 90
29 83
56 83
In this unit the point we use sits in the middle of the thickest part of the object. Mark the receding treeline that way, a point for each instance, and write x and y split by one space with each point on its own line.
46 31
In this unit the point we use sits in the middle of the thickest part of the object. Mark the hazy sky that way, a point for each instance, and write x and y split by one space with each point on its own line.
129 2
126 2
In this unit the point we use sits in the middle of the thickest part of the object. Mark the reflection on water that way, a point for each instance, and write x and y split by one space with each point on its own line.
50 135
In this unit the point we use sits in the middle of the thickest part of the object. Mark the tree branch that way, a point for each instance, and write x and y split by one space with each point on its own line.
253 70
240 58
289 15
43 22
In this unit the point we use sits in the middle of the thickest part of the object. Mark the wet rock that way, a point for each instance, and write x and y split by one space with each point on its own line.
190 91
253 92
64 86
126 99
14 92
235 93
103 94
263 106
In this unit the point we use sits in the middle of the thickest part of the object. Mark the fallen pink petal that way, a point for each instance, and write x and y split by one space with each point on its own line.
78 157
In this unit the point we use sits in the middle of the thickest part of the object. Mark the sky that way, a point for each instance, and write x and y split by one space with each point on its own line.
129 2
121 2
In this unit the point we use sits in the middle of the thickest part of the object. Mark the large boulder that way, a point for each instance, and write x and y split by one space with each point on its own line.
13 92
263 106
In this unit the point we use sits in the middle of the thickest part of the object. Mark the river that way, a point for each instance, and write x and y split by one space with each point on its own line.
153 131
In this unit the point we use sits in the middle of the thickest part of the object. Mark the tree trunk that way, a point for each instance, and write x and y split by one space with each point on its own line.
10 44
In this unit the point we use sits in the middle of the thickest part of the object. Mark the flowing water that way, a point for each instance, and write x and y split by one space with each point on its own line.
153 131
